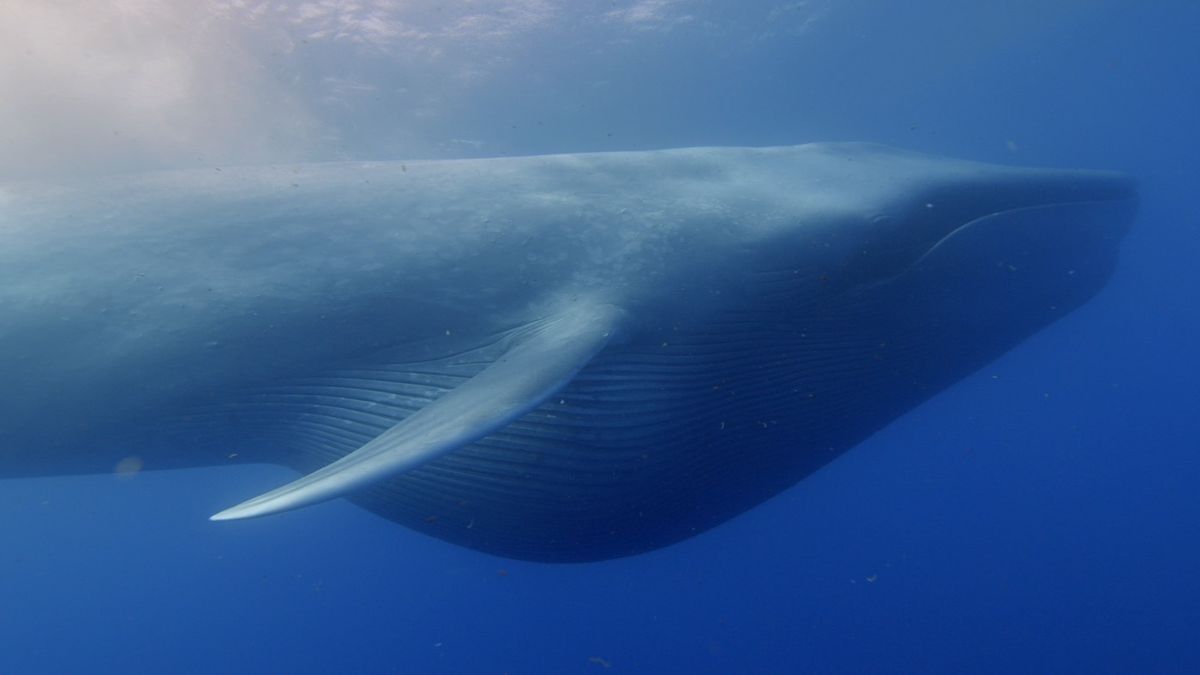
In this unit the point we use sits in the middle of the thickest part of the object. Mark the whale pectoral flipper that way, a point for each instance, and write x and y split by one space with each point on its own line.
543 358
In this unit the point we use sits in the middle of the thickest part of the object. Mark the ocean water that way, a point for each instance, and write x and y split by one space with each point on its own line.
1039 516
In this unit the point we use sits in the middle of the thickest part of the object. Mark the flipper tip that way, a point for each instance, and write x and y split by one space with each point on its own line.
228 514
290 496
263 505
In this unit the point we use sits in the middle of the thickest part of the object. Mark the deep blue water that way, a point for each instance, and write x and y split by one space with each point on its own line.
1041 515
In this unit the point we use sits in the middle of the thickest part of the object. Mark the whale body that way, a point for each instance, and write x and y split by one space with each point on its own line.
559 358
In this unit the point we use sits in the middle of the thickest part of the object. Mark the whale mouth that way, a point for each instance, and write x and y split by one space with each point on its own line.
1016 270
1035 207
1059 226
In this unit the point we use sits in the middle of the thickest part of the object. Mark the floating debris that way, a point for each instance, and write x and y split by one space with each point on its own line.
128 467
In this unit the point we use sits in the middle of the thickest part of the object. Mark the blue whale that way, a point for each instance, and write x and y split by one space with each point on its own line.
559 358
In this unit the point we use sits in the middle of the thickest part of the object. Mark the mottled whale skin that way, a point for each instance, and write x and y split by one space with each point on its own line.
560 358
